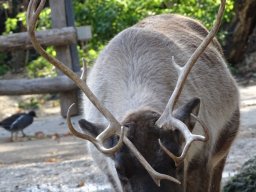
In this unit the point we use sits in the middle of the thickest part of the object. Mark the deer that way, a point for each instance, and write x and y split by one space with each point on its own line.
161 109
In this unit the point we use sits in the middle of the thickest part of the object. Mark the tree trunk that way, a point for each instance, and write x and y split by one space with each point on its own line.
241 37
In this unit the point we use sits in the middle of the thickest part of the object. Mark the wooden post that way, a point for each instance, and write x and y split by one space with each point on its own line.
58 15
71 22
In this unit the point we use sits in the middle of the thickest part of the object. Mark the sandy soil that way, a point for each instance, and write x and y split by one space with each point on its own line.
55 161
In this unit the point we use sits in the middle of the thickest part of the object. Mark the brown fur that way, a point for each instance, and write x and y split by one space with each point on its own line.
213 163
134 78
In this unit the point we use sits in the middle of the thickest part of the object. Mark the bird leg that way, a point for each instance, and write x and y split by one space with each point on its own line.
23 134
12 137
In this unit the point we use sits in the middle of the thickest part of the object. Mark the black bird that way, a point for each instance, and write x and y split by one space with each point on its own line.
18 122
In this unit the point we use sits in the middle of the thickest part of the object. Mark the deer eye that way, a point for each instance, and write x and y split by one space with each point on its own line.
130 125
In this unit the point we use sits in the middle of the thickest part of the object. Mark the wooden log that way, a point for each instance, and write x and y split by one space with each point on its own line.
58 16
36 86
56 37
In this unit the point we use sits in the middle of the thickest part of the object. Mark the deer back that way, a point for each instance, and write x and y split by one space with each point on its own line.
135 70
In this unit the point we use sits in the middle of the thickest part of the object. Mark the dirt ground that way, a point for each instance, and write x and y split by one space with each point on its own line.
51 160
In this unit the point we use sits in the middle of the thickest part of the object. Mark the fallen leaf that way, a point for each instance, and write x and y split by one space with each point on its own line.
81 184
39 135
52 160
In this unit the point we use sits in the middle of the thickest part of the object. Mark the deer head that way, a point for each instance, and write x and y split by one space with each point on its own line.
171 122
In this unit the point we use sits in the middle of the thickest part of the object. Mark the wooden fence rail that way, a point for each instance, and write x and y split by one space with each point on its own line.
55 37
36 86
63 37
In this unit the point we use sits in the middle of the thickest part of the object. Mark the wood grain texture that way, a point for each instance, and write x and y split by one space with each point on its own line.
36 86
55 37
58 15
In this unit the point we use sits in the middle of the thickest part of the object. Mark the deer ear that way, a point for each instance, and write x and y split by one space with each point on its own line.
92 128
183 113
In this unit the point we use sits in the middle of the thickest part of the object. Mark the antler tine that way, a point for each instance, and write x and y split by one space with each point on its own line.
33 13
206 130
157 177
84 72
97 144
167 118
189 138
192 60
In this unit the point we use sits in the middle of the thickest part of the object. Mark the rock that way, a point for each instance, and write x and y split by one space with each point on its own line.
39 135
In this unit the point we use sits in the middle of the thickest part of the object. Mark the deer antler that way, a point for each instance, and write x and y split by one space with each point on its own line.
34 9
96 143
189 139
157 177
114 128
167 119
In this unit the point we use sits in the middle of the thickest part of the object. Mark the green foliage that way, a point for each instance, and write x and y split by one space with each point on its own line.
30 103
3 67
45 19
108 17
204 11
11 24
4 5
245 180
40 67
44 22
